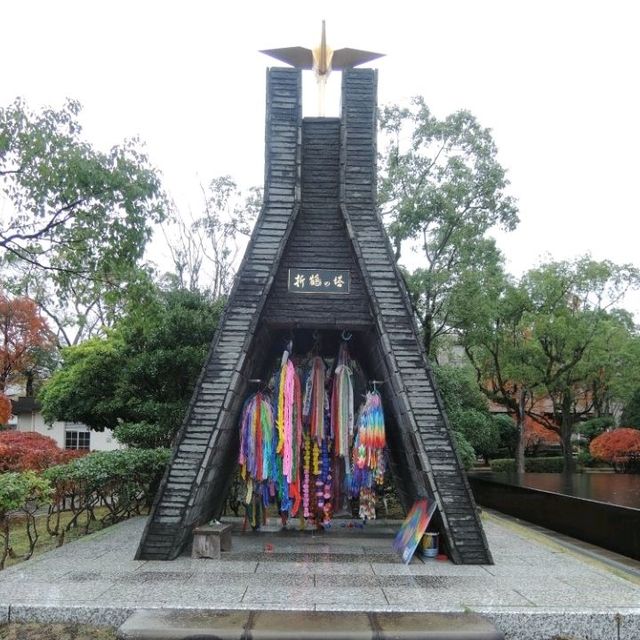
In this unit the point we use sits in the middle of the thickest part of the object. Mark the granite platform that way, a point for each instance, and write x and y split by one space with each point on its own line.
541 586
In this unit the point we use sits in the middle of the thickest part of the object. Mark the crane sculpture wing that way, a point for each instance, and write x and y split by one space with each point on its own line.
347 58
299 57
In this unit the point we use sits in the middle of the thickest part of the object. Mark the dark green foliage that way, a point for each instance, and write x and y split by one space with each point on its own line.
144 371
631 413
507 434
465 450
142 435
544 465
480 430
467 411
531 465
83 389
590 429
585 459
500 465
459 388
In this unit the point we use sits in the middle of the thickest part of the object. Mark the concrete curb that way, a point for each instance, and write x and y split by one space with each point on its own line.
306 625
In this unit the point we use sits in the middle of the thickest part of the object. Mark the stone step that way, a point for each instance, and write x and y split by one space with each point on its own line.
182 624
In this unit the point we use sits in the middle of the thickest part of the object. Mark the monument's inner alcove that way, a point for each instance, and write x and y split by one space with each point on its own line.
302 345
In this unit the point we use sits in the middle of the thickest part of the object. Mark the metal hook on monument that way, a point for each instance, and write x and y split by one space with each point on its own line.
346 335
289 346
316 342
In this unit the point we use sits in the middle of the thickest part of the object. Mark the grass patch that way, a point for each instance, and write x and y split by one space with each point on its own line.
20 542
33 631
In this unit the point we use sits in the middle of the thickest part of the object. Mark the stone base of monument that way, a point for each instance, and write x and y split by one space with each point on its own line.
210 539
305 625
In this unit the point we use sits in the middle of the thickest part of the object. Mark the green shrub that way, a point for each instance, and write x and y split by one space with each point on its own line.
24 492
544 465
500 465
124 481
531 465
585 459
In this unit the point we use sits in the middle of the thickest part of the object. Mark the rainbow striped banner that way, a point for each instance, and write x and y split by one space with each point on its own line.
415 524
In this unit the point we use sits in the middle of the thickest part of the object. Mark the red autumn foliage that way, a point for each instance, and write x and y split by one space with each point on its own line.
617 447
20 451
536 435
23 335
5 409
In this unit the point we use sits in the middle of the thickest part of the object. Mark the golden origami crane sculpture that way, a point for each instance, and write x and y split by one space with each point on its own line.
322 59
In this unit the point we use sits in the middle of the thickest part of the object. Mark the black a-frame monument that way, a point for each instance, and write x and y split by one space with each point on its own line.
319 213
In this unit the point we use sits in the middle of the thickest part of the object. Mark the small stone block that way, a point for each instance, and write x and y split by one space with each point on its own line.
209 540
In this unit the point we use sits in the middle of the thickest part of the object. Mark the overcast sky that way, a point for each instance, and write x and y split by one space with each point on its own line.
556 81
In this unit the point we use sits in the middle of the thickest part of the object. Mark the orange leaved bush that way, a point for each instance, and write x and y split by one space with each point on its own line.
5 409
536 435
617 447
20 451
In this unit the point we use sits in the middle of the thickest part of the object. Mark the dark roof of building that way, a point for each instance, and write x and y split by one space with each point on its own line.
24 404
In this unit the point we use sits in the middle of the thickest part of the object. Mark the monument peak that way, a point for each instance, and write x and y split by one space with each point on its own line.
322 59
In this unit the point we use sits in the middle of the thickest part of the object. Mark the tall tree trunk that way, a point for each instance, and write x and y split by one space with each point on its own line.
427 334
522 401
29 376
566 429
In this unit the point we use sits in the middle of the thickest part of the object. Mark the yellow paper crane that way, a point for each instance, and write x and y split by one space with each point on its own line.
322 59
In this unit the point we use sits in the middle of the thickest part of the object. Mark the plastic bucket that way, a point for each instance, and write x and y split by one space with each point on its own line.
429 545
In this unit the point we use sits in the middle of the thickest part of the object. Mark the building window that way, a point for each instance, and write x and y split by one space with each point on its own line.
77 440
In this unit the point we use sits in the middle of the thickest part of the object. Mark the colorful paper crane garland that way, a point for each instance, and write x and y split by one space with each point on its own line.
299 448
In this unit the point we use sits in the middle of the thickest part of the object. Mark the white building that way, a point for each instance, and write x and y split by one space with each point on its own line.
68 435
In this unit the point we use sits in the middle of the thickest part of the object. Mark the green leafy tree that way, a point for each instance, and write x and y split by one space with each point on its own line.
144 371
489 315
75 220
205 250
552 335
441 190
613 363
631 412
569 315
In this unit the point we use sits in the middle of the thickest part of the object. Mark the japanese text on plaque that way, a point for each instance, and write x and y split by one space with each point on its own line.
319 281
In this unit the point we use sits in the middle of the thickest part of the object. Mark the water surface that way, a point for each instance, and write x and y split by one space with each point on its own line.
613 488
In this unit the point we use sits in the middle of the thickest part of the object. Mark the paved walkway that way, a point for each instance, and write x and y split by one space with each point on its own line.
538 588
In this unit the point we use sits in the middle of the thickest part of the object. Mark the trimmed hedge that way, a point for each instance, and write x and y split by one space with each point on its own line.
124 481
22 493
531 465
